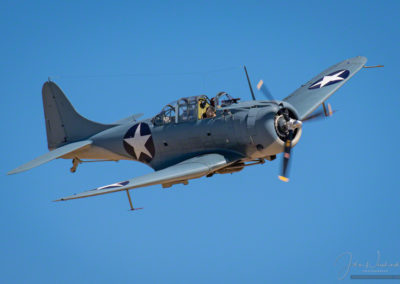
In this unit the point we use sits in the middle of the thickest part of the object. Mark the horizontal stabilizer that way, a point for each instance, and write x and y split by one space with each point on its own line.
57 153
129 119
179 173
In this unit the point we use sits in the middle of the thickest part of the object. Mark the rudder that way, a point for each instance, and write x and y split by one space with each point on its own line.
63 123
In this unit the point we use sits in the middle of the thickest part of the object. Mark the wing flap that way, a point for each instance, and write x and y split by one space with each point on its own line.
49 156
312 94
189 169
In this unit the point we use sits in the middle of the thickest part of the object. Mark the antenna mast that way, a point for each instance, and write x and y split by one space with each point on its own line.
248 80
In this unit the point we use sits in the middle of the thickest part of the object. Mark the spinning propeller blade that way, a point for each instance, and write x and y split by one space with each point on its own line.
286 157
321 114
290 126
263 88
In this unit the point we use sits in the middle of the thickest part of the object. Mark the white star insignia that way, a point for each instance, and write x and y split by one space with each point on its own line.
118 184
138 143
329 78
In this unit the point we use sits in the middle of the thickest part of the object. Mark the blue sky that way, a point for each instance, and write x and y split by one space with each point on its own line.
114 59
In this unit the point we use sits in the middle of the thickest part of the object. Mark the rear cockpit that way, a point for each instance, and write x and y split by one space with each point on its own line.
193 108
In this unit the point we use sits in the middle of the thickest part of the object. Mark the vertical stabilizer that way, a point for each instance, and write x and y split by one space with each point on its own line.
63 123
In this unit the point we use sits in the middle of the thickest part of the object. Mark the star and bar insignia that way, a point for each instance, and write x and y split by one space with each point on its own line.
138 142
330 79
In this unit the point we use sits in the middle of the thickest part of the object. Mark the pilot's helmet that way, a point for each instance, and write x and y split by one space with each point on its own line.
212 102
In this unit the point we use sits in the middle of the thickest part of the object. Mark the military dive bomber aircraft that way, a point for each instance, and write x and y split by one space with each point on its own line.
191 137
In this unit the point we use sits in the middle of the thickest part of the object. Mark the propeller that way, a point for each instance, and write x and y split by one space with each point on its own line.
286 157
264 89
287 125
321 114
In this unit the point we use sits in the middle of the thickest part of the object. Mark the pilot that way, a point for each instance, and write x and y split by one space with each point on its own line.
202 108
210 112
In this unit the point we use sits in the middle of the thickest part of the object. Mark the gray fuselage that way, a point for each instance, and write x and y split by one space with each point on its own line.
246 133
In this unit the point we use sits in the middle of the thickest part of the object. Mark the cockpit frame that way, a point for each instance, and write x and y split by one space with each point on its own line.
190 109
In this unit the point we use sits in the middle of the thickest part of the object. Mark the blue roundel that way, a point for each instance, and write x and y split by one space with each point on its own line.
138 142
330 79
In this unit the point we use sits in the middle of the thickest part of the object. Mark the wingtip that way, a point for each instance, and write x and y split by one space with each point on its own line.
14 171
357 59
57 200
362 59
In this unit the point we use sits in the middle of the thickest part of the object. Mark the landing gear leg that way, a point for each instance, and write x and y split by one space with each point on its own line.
130 201
75 164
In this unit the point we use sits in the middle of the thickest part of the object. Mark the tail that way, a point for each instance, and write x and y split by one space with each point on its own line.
64 124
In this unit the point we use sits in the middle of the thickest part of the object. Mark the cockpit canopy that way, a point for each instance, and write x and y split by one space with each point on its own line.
192 108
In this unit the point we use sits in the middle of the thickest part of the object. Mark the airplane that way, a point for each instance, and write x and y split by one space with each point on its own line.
192 137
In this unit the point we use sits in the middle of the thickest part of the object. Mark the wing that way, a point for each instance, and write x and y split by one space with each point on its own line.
312 94
49 156
189 169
